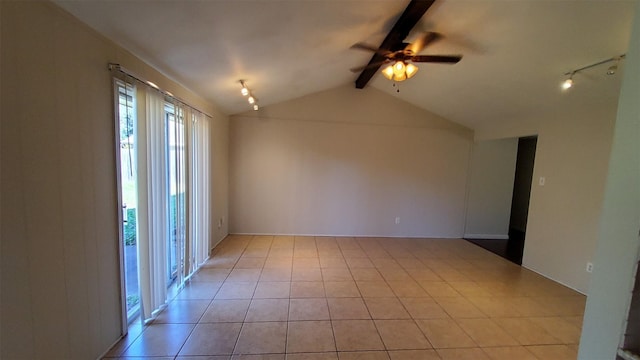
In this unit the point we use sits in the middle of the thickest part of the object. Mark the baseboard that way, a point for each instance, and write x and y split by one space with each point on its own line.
554 280
486 236
351 235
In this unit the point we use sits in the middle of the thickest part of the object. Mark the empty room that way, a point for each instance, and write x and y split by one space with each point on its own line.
320 180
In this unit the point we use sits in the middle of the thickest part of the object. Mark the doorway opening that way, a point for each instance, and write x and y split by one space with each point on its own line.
520 199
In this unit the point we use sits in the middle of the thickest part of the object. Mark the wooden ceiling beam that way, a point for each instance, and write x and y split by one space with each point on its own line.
409 18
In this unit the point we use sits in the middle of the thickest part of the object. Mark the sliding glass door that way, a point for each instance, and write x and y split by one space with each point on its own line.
128 195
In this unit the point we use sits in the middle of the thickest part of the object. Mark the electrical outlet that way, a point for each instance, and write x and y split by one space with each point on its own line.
541 181
589 267
397 220
220 223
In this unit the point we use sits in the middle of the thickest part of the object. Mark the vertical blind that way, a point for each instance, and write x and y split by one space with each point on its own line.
172 153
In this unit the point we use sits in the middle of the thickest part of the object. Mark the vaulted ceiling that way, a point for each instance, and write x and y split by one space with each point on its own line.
515 52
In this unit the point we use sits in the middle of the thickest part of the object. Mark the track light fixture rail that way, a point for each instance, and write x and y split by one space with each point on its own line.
568 82
245 91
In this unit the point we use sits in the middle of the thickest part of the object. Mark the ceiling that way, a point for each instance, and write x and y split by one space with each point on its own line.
515 52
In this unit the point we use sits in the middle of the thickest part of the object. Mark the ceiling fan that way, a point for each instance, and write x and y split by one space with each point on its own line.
400 62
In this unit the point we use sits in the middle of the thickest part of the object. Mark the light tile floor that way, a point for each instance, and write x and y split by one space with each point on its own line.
326 298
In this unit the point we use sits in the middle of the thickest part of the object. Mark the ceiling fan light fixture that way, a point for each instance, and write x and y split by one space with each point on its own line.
388 72
399 68
411 70
255 107
244 91
251 100
399 71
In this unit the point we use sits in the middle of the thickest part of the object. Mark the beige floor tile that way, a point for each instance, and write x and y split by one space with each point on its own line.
305 253
469 288
347 308
353 253
336 274
424 308
268 310
281 252
386 308
423 275
285 263
408 288
310 336
275 274
359 263
459 307
384 261
236 290
306 274
555 352
199 291
366 274
363 355
509 353
439 289
183 311
272 290
307 289
374 289
563 306
313 356
495 306
306 262
341 289
559 328
445 333
462 354
526 331
414 355
332 262
210 274
226 311
485 332
210 357
256 252
244 275
308 309
394 274
212 339
529 308
262 338
254 357
356 335
250 263
160 340
401 335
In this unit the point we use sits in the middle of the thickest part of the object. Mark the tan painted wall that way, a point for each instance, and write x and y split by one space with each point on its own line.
60 273
618 244
492 172
347 162
572 154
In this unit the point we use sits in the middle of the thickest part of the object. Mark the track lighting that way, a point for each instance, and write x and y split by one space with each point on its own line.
245 91
568 83
613 68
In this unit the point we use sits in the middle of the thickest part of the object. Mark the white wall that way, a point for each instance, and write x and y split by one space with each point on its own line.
347 162
60 274
492 172
617 249
572 154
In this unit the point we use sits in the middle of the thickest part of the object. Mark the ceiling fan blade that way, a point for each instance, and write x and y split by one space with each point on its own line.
450 59
424 40
368 66
363 46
